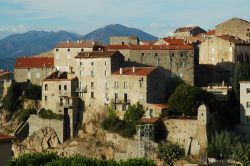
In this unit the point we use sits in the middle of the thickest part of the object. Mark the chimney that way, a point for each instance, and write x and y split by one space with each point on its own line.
120 70
133 69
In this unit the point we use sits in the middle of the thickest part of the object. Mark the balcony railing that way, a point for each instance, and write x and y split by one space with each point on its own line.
81 90
64 105
120 101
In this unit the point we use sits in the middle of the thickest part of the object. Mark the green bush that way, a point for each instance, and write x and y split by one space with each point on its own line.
33 92
51 159
222 144
25 114
169 152
126 127
48 114
241 152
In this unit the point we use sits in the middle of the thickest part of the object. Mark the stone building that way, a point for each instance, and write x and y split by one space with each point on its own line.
224 50
124 40
94 72
132 85
59 95
34 69
235 27
5 148
4 76
185 32
244 127
177 60
65 53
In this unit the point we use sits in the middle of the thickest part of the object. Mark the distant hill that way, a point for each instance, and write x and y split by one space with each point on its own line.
35 42
103 34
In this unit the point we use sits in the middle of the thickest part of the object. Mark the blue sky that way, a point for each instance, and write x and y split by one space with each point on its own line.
158 17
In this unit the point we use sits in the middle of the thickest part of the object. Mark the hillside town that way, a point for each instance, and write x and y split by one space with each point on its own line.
130 97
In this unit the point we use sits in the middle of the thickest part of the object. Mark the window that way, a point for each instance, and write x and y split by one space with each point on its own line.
106 85
65 87
29 75
82 49
68 50
80 63
92 84
156 54
81 73
92 95
125 85
248 104
92 73
105 63
45 87
37 75
116 84
60 87
142 58
140 84
92 63
57 49
105 73
248 29
158 62
181 54
172 54
45 98
248 90
122 43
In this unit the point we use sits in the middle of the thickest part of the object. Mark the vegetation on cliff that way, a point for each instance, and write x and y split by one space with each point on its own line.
51 159
48 114
169 152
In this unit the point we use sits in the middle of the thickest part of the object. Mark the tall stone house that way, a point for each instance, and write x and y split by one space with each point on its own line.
185 32
65 53
235 27
124 40
176 60
33 69
5 77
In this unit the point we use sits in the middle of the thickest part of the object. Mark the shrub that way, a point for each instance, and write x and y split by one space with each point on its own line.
169 152
25 114
51 159
241 152
11 100
33 92
134 113
221 144
48 114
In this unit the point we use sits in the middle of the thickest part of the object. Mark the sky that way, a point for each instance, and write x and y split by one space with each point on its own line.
157 17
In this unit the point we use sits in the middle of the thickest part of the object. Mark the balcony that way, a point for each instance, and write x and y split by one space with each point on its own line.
64 105
120 101
81 90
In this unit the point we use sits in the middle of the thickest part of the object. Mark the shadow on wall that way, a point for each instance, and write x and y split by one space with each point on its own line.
206 74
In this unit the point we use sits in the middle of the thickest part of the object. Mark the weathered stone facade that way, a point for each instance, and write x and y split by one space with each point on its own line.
234 27
124 40
65 53
4 78
185 32
176 60
94 73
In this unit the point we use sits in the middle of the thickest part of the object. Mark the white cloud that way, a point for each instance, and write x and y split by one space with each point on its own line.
13 29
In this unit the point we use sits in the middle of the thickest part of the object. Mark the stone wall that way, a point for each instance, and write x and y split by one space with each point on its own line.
36 123
118 40
35 75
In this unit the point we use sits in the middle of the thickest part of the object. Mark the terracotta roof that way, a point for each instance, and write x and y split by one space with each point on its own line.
150 47
211 32
95 54
139 71
58 76
77 44
34 62
234 39
149 42
160 105
174 41
149 120
184 29
3 73
4 137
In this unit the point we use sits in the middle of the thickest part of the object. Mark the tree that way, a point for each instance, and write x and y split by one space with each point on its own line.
222 144
241 152
10 101
134 113
186 99
169 152
241 73
33 92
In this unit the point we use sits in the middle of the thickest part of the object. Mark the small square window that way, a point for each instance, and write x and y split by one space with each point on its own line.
65 87
248 90
57 49
92 95
68 50
82 49
248 104
156 54
92 63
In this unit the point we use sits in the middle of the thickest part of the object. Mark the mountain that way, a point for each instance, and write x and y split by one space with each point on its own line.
32 42
103 34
